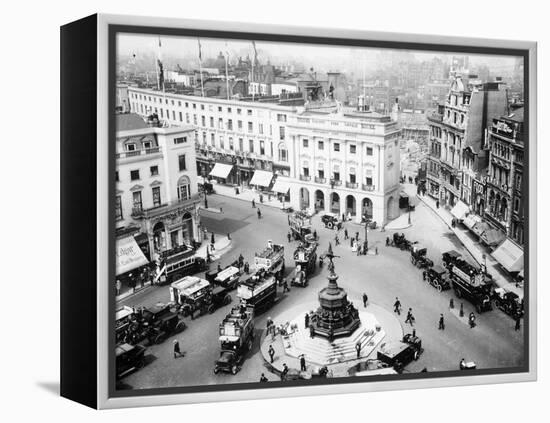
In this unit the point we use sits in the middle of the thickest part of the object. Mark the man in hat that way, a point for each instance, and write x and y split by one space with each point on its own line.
410 317
306 320
518 323
441 322
271 352
365 299
397 306
263 378
284 372
303 367
177 351
358 349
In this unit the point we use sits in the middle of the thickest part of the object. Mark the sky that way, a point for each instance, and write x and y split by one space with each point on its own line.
333 58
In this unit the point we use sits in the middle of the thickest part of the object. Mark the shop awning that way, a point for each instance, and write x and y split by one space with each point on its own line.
509 255
480 227
471 220
221 170
492 237
261 178
459 210
281 185
128 255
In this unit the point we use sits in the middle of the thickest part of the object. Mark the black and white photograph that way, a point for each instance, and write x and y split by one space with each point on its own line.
305 213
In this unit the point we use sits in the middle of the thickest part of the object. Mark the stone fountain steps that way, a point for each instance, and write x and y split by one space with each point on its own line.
318 350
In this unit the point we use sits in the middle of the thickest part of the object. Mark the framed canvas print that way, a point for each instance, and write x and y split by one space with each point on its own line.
266 211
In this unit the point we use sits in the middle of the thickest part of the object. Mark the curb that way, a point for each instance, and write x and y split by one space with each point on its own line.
129 294
249 201
448 226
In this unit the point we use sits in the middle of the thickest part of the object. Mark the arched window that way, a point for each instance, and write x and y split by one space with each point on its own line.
184 188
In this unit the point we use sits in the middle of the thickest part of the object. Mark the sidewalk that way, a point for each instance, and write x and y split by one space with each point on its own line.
221 246
247 194
500 278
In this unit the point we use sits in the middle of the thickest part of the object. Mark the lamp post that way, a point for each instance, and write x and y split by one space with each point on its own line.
409 214
484 263
204 188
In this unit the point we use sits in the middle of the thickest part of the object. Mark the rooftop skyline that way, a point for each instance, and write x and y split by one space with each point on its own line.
185 51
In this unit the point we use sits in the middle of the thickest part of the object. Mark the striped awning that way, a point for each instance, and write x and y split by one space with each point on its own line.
509 255
281 185
471 220
261 178
221 170
128 255
459 210
492 237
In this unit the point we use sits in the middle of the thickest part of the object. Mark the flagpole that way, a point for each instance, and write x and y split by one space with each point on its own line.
253 62
226 71
200 66
161 71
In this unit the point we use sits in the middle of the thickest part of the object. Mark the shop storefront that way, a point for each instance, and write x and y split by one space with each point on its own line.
131 265
281 188
510 256
222 173
261 179
460 210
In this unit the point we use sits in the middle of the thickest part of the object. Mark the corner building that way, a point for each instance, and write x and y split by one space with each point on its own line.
156 199
345 163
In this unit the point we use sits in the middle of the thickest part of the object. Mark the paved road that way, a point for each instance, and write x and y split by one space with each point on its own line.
493 343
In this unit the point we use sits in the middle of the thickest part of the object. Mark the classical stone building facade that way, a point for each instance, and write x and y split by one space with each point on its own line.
458 138
156 198
505 208
355 172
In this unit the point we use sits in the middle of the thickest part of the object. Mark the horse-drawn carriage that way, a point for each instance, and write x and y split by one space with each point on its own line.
399 241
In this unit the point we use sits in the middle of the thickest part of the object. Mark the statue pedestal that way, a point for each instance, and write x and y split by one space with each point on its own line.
319 350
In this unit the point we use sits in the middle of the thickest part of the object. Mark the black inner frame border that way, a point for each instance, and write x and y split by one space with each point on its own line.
115 29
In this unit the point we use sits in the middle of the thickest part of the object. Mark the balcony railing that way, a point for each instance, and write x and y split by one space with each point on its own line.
141 212
352 184
305 178
366 187
142 152
320 180
336 182
137 211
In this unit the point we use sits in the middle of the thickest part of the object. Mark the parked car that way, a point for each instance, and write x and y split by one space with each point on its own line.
400 353
159 323
129 358
437 277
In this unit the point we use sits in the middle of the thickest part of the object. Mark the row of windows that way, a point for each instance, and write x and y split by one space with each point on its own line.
336 147
183 193
153 99
135 174
336 175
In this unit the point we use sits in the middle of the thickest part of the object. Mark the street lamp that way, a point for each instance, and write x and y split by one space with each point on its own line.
484 263
367 221
409 214
204 188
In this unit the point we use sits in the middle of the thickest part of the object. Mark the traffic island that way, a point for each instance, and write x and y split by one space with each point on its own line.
378 326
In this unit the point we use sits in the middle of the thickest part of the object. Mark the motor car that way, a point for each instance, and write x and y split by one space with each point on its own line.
437 277
129 358
330 220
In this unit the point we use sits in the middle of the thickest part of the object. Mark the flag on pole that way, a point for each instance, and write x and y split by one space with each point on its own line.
160 67
255 53
227 70
200 66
